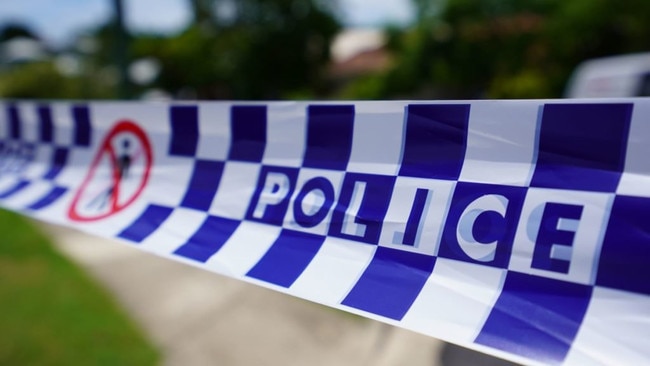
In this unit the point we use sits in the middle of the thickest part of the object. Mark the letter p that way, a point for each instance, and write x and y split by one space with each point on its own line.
272 195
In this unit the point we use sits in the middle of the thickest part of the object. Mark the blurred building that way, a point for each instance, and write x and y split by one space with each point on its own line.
19 45
357 52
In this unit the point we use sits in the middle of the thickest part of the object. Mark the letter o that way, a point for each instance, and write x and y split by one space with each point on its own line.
318 185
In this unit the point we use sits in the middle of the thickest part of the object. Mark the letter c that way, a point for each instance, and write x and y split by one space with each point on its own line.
475 249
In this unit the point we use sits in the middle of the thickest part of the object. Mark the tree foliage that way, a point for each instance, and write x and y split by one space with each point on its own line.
272 49
43 80
14 30
262 49
505 48
244 49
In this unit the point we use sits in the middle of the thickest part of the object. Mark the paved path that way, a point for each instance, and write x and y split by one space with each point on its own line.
200 318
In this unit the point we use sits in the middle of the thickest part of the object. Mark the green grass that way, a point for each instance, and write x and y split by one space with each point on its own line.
52 313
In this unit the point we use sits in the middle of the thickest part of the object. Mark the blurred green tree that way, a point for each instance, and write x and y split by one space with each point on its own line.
13 30
44 73
247 49
583 29
244 49
42 80
503 48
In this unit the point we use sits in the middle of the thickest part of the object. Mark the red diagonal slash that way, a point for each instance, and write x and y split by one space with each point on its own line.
106 147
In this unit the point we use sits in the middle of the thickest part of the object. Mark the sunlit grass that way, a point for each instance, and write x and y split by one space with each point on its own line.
52 313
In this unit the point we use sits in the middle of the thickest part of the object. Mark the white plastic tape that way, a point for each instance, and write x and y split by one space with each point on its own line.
517 228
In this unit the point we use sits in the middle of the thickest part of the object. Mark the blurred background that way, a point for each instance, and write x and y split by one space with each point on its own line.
149 310
308 49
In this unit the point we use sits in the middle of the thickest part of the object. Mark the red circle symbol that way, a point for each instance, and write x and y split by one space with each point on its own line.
103 195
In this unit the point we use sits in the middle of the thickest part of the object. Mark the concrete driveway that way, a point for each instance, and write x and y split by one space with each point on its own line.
200 318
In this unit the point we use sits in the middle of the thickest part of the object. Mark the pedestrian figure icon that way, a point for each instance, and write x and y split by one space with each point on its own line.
118 174
123 163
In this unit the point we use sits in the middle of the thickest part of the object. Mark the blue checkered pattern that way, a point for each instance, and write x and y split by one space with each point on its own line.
376 208
35 148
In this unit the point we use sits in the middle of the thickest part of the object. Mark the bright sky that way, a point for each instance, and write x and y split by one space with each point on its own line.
56 21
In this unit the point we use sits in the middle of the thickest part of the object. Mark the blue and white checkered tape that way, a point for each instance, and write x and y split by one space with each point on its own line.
517 228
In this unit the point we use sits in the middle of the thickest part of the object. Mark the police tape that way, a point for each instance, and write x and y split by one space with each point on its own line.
517 228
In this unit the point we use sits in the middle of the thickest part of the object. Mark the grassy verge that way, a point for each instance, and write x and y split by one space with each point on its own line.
51 313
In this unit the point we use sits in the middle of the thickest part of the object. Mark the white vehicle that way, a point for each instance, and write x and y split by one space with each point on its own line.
616 76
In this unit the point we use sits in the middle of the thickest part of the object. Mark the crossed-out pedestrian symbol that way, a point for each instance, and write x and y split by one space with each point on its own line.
117 175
